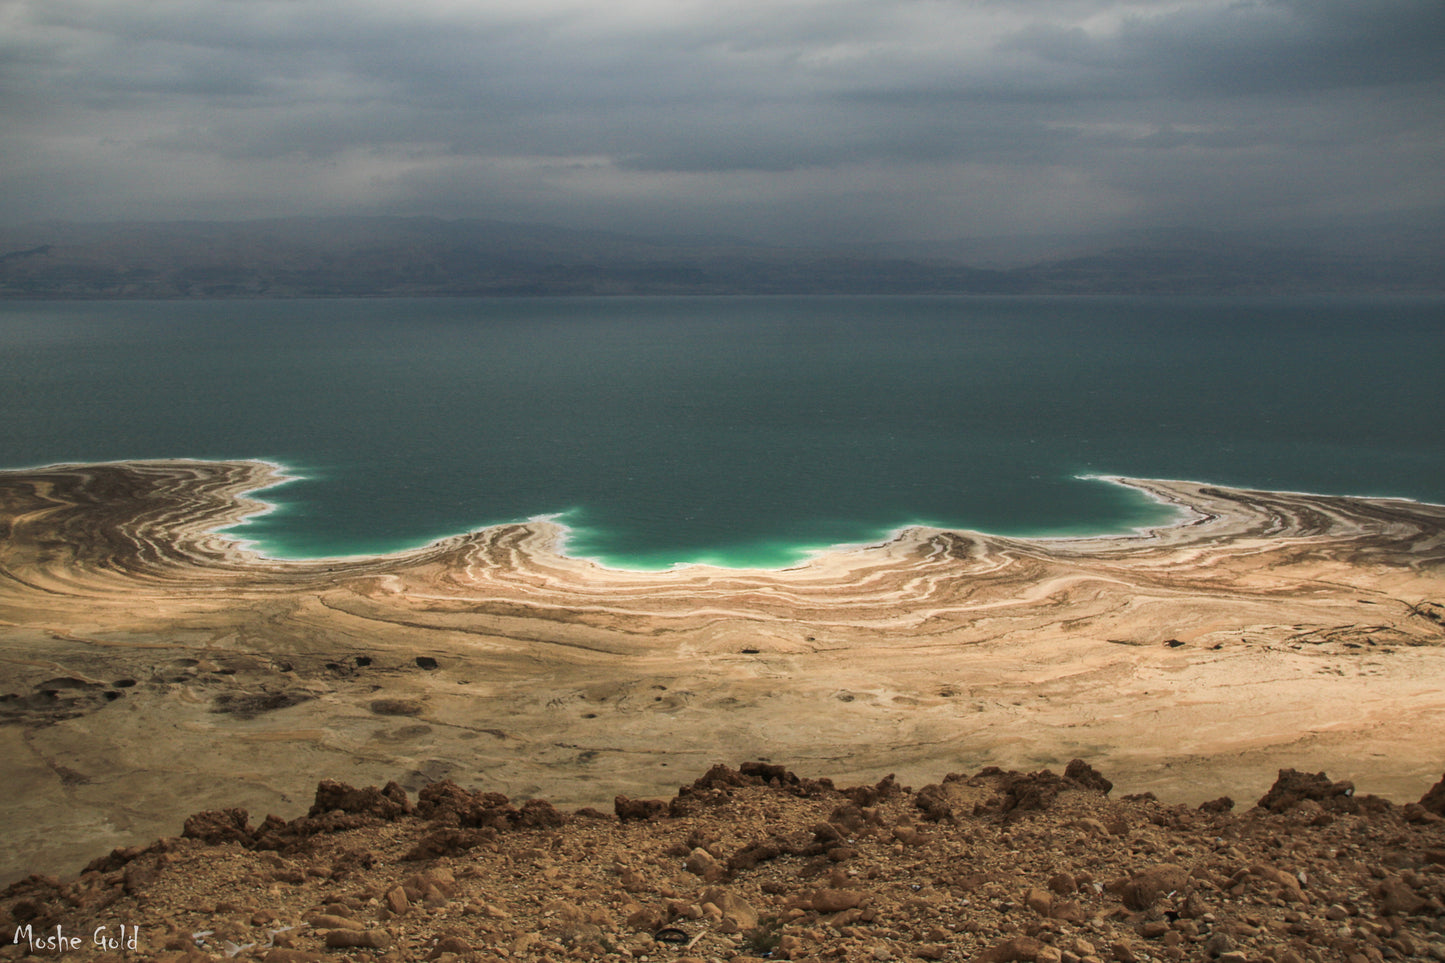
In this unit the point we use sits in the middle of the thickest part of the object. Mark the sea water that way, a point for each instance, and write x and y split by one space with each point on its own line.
742 431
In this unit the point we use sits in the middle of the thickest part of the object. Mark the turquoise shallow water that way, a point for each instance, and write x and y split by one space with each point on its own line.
743 431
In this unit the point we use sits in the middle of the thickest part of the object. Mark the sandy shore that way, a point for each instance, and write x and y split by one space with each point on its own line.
151 668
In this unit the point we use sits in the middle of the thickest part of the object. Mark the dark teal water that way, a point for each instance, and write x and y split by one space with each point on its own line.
744 431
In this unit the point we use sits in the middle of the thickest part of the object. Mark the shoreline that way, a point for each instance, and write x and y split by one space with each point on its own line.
1164 492
151 666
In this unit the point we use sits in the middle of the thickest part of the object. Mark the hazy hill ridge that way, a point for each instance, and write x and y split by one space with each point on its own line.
420 257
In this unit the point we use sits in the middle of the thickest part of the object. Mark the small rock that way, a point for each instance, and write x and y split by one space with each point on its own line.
737 912
648 918
1068 911
1020 948
702 863
835 900
908 836
1039 901
397 902
450 944
795 948
1217 945
364 939
1144 889
1397 898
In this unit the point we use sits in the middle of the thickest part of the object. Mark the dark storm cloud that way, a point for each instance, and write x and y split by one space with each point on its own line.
787 120
1293 45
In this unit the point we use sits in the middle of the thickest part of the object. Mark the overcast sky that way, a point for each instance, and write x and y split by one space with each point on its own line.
778 120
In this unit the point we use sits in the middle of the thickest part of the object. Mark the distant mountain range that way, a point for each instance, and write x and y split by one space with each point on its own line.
427 257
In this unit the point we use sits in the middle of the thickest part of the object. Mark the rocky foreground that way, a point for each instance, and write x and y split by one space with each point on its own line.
759 863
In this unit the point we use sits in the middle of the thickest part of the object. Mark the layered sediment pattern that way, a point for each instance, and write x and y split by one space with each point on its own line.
154 666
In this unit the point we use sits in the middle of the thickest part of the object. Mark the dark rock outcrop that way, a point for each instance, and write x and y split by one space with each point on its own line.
1434 798
1293 787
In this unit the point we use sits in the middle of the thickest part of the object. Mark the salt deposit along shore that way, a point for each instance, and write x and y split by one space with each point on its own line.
151 667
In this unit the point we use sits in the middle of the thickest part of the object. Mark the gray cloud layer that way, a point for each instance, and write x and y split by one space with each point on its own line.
780 120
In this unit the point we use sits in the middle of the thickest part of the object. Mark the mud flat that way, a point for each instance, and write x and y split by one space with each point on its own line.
151 668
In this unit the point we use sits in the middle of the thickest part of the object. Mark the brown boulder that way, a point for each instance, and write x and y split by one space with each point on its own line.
638 810
1293 788
1032 792
1087 776
1063 884
540 814
719 777
439 798
1068 911
702 863
932 801
450 944
1020 948
885 788
397 901
449 842
1434 798
1397 898
1145 888
388 803
1288 885
1039 900
216 826
766 774
835 900
759 851
360 939
737 913
139 875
